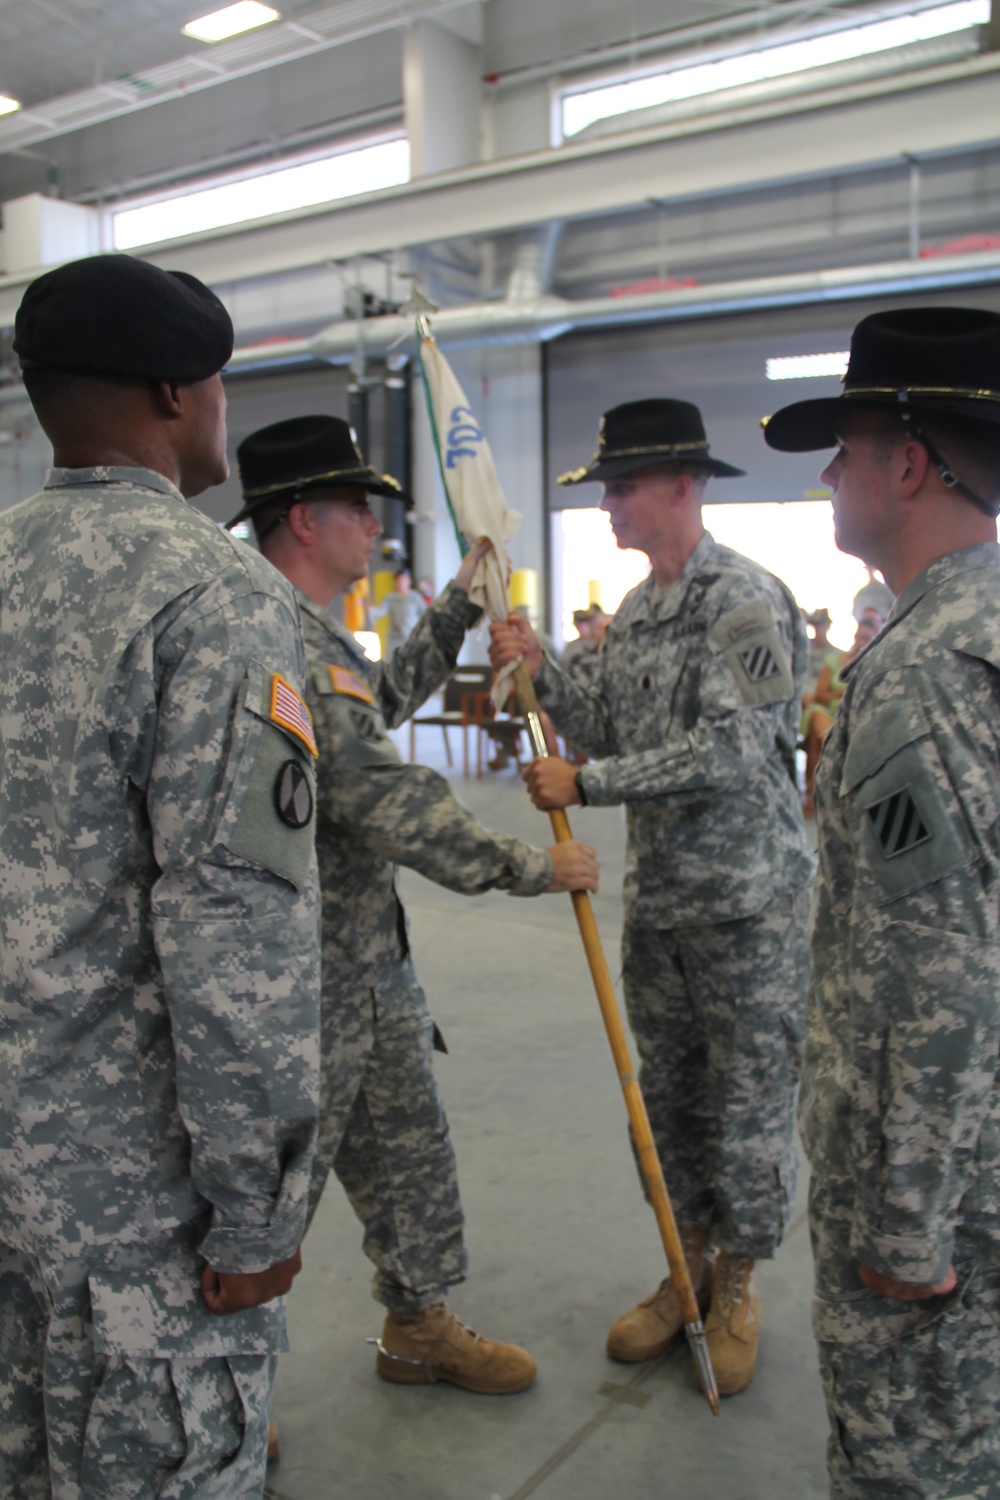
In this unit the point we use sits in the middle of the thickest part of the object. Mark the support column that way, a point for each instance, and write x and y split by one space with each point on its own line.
397 455
42 232
442 98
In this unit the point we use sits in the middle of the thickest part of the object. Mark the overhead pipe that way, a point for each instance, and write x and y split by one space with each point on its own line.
546 317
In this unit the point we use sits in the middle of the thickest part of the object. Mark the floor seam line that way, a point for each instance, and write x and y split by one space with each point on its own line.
582 1433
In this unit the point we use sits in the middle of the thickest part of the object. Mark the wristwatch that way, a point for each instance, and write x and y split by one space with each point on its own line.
580 788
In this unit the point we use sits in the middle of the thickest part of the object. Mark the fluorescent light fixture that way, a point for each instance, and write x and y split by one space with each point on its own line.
581 109
342 176
806 366
8 106
230 22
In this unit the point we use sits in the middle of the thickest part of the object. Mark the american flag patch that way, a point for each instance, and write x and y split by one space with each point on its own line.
344 681
289 710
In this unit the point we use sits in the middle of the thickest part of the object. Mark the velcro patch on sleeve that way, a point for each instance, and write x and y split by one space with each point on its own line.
897 824
289 710
912 830
343 681
748 639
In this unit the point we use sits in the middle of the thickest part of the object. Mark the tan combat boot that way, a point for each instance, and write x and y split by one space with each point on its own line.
650 1328
732 1327
416 1349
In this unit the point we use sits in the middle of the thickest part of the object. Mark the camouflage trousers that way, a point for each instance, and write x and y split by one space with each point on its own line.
394 1156
912 1389
81 1419
717 1013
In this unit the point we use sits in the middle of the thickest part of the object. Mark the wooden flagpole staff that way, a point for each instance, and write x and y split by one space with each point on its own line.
649 1161
474 452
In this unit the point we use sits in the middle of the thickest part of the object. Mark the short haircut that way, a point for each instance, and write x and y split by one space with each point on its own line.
51 391
971 448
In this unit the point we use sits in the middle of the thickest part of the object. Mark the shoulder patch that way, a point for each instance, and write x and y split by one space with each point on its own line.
749 620
760 663
897 824
749 642
343 681
289 710
293 795
912 830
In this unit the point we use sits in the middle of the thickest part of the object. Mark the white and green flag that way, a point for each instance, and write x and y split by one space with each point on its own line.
469 475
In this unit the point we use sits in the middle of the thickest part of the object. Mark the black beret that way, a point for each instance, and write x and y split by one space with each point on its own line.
116 315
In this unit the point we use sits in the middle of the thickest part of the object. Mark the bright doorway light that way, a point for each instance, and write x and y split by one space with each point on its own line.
8 105
806 366
230 22
793 540
370 642
583 108
342 176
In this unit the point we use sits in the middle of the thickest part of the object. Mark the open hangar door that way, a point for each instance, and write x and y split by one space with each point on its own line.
779 513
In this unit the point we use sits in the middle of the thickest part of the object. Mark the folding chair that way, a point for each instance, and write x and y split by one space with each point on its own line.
466 703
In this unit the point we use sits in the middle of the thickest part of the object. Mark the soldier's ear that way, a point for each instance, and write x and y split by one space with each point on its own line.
912 465
168 398
303 522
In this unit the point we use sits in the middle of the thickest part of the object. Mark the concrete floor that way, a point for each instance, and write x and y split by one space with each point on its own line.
560 1243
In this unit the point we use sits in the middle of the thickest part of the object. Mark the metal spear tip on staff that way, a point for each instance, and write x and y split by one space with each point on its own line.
476 502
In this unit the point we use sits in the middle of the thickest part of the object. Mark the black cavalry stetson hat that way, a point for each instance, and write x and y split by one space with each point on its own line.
643 434
304 453
117 315
915 361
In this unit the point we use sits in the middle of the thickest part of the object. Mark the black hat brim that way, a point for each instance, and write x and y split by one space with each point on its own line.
806 426
617 468
362 478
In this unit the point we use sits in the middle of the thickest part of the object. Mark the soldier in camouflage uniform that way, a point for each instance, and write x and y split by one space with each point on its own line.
900 1110
692 724
384 1131
160 968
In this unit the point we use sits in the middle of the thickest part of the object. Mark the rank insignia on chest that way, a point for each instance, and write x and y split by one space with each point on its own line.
759 663
293 795
343 681
290 711
897 824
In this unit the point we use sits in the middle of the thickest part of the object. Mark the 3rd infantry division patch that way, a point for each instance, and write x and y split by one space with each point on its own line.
759 663
897 824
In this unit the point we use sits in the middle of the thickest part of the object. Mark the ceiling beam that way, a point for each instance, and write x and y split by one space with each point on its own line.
950 109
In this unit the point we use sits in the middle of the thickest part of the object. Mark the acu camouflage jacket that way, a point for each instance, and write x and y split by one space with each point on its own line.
693 722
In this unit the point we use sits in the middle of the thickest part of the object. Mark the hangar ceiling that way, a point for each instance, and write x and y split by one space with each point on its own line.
879 167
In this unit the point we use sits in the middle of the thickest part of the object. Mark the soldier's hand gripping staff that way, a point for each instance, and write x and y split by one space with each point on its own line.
692 724
384 1131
